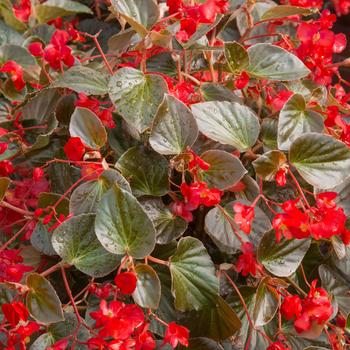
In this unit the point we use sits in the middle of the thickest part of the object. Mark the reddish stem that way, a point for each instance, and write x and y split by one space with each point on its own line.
18 210
69 292
99 48
299 188
14 237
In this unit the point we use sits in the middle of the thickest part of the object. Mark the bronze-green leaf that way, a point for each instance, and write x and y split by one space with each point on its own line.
42 300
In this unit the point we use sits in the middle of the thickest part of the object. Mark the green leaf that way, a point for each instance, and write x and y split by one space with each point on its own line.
321 160
52 9
41 106
86 197
148 288
281 259
225 169
42 300
146 170
140 14
18 54
4 184
267 165
236 56
168 226
266 303
122 226
222 229
76 243
83 79
295 120
269 133
335 284
43 342
136 96
282 11
228 123
86 125
174 127
274 63
9 35
217 92
194 283
40 239
218 321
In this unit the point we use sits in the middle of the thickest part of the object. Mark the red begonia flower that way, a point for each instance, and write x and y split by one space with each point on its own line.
176 334
23 10
126 282
74 149
15 312
244 216
16 74
247 263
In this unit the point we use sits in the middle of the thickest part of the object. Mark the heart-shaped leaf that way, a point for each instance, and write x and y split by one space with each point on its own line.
147 171
42 300
85 198
76 243
194 283
225 169
283 258
321 160
52 9
86 125
122 226
236 56
267 165
295 120
83 79
168 226
228 123
174 127
148 289
274 63
136 96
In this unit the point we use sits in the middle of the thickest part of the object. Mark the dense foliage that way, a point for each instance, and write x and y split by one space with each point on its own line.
174 174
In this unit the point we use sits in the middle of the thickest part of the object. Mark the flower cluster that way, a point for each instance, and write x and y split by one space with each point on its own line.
322 221
315 307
